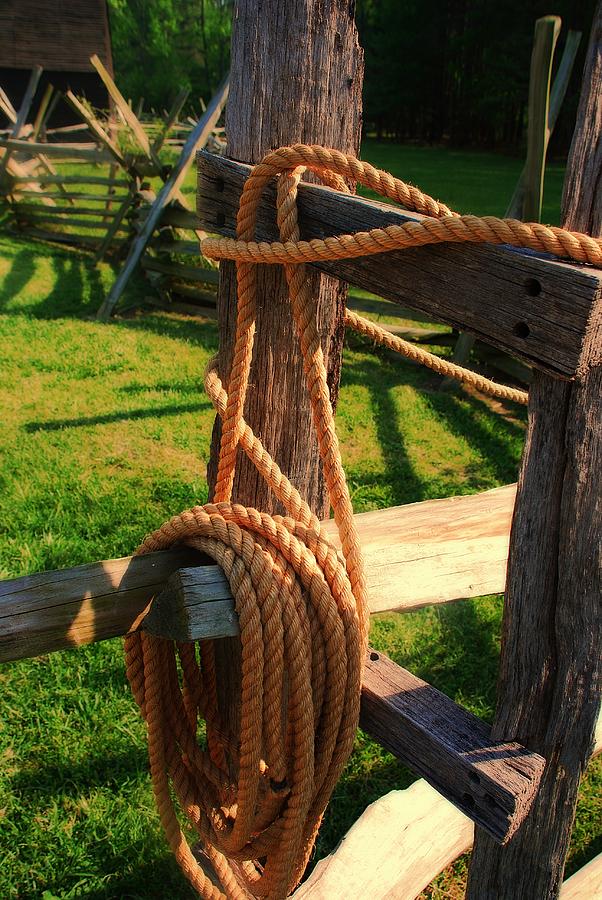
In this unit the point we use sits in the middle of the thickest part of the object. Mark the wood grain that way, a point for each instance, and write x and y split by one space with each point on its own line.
491 782
57 610
550 677
497 293
394 850
430 552
297 72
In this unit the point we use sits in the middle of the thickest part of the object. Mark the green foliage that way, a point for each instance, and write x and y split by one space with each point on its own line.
162 46
458 70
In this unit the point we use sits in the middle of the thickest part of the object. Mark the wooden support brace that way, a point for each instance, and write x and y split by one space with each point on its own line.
492 782
542 310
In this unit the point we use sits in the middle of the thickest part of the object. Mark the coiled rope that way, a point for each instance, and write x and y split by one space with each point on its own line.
256 798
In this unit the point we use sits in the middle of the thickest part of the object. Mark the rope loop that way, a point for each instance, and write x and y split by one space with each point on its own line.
253 764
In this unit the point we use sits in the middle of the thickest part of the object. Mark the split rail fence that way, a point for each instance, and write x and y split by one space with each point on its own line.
99 194
517 780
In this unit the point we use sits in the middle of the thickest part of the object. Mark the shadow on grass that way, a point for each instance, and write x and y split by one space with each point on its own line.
479 426
380 379
19 276
76 287
125 416
97 770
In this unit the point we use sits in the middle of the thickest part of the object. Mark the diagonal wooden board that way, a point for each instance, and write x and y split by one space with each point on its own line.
196 139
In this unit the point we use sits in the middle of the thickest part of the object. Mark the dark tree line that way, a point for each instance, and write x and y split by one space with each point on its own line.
436 70
458 70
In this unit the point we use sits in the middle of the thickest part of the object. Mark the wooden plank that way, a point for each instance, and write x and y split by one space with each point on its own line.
547 30
41 113
557 95
403 841
126 111
6 107
50 611
394 850
58 211
196 139
68 196
544 311
96 128
48 215
549 687
430 552
491 782
73 179
87 152
116 224
586 884
170 119
177 270
19 125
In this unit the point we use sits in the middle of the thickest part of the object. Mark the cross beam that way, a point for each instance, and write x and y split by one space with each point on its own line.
546 312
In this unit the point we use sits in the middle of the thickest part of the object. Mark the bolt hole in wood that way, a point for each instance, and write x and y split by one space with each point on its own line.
474 778
468 801
533 287
521 330
374 656
220 219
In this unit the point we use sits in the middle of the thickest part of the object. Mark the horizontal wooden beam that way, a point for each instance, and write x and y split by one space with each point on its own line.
89 152
492 782
404 840
542 310
70 607
415 555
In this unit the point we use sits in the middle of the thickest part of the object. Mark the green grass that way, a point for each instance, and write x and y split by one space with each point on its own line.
104 433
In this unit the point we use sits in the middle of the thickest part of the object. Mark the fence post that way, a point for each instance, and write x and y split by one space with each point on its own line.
296 75
549 687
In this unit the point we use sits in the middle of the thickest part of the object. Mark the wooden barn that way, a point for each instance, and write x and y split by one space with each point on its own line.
60 36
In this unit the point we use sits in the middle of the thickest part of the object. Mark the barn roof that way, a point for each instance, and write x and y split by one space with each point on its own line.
59 35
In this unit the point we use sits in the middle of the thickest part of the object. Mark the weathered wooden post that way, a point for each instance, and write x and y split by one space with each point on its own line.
297 72
296 75
549 689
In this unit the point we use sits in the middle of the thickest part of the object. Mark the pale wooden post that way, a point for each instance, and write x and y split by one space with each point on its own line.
549 688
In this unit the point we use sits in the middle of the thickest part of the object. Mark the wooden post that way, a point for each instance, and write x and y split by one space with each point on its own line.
296 75
297 72
547 30
549 687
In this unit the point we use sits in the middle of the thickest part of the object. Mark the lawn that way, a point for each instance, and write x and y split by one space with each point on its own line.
105 432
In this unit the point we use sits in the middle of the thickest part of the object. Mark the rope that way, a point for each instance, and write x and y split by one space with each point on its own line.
255 791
